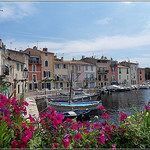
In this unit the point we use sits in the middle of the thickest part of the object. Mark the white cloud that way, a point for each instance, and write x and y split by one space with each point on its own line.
103 21
15 10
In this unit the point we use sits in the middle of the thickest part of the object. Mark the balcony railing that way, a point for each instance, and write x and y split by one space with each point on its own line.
105 79
90 79
35 61
103 71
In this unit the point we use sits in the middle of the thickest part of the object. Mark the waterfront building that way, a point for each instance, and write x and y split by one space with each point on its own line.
124 75
133 71
41 68
113 72
102 69
141 75
61 72
17 61
84 74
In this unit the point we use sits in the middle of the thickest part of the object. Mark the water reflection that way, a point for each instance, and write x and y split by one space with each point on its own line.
124 101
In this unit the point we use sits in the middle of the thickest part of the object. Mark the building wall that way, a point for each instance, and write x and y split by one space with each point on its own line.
141 75
124 76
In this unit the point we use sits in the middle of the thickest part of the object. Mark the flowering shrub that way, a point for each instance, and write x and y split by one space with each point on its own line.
52 131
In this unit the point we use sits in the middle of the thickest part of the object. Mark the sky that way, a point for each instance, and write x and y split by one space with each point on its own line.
118 30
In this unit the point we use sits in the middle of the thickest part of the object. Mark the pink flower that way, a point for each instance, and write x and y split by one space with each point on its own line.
123 130
78 137
109 137
55 145
101 139
113 147
59 118
23 143
123 116
86 124
14 144
96 125
31 119
147 107
66 142
104 115
108 129
102 108
69 120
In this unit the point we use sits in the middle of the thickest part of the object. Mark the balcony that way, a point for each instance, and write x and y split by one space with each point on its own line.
103 71
90 79
105 79
35 61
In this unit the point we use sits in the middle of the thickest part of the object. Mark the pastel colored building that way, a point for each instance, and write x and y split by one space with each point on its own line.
124 75
17 62
133 71
141 75
41 66
102 69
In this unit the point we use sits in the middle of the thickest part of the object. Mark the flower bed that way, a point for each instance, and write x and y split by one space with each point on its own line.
51 131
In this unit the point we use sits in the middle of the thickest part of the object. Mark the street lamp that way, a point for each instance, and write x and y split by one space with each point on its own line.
25 75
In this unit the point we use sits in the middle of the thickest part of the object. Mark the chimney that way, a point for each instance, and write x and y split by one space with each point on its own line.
73 59
0 43
111 59
61 58
82 57
34 47
45 49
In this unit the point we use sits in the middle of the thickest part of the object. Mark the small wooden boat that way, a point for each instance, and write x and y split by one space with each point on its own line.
62 106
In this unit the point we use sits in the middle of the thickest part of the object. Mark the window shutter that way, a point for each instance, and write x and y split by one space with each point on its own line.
44 74
49 74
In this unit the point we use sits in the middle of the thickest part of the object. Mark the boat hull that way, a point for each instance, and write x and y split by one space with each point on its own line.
74 106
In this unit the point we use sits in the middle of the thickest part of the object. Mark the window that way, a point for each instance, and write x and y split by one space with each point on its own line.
34 77
119 76
72 67
30 86
91 68
127 71
46 63
120 70
113 69
140 77
99 77
47 74
140 71
57 66
17 67
79 67
64 66
45 54
33 67
22 67
127 77
135 68
56 85
86 67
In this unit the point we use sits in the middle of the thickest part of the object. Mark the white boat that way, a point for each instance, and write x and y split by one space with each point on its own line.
143 86
77 96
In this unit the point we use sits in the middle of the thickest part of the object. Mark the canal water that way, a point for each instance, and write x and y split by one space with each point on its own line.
122 102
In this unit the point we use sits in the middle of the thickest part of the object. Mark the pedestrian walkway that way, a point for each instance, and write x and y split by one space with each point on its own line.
32 109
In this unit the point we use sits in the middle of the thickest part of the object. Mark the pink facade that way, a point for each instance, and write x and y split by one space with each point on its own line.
37 72
141 75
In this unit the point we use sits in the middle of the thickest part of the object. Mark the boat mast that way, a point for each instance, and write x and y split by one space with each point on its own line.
70 95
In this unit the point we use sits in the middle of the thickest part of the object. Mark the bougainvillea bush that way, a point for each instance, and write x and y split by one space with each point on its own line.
52 131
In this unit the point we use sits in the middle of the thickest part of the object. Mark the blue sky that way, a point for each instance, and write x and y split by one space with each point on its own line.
120 30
